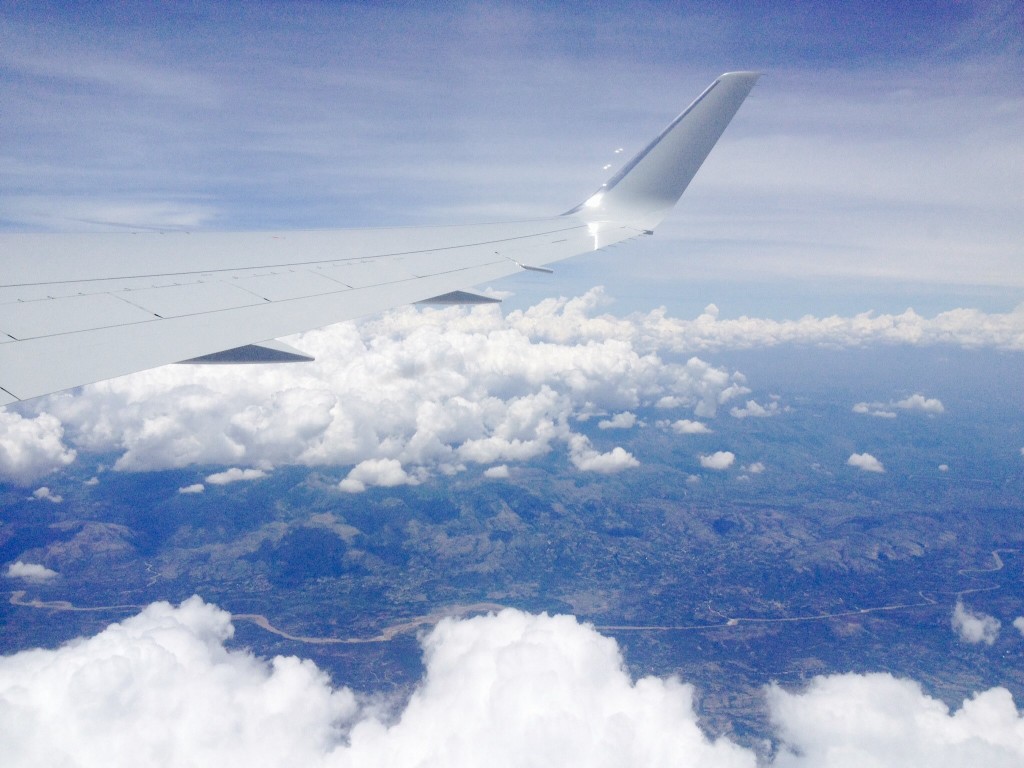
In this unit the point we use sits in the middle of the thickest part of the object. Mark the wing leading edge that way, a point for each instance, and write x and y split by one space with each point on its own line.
75 309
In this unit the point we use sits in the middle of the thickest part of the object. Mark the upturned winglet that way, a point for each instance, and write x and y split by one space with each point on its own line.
647 187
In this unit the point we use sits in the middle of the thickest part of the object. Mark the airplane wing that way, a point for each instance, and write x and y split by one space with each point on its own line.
80 308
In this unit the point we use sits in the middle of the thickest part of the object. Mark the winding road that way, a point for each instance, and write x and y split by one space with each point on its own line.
431 619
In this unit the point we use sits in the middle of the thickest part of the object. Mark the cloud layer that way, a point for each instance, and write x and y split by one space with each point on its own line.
397 398
507 689
443 390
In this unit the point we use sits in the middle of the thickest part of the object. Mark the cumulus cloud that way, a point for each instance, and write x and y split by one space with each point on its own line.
376 472
754 409
688 427
718 460
439 389
879 720
161 687
865 462
916 402
969 328
234 475
624 420
921 403
499 472
433 389
505 689
881 410
194 488
974 627
586 459
1018 623
755 469
31 447
45 494
30 571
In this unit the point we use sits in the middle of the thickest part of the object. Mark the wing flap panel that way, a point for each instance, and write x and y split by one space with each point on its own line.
48 317
191 299
66 361
363 274
289 284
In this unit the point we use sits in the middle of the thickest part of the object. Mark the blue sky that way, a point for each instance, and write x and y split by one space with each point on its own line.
877 165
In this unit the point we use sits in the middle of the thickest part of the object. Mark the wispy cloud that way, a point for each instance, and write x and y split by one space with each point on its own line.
844 163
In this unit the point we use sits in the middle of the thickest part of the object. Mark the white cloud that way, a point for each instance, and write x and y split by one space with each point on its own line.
755 469
438 389
1018 623
82 215
885 722
376 472
161 687
921 403
31 448
194 488
718 460
30 571
943 467
866 462
916 402
506 689
92 481
499 472
433 389
586 459
753 409
974 627
624 420
45 494
234 475
969 328
874 409
688 427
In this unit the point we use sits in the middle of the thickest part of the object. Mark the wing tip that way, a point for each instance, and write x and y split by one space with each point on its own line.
645 188
742 73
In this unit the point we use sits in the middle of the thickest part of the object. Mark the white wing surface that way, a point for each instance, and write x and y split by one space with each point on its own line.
80 308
